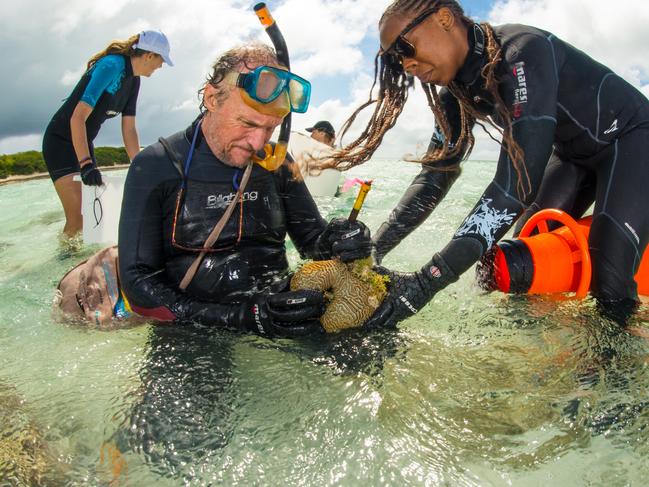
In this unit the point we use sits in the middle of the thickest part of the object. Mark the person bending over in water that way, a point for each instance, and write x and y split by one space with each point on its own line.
573 132
179 189
109 87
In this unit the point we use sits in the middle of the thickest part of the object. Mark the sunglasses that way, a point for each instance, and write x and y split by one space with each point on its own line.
401 47
266 83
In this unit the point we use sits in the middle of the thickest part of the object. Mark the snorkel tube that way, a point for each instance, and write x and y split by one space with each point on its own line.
274 158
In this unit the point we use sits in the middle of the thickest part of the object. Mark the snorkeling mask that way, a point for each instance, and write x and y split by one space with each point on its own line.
272 91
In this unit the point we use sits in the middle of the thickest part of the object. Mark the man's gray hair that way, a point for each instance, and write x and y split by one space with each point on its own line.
248 56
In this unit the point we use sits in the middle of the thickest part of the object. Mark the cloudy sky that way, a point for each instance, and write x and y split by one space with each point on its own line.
46 44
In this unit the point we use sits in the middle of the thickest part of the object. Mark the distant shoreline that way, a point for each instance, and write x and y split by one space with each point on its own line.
44 175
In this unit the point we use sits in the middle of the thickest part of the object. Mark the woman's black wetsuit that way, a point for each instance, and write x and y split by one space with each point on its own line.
571 111
110 87
151 267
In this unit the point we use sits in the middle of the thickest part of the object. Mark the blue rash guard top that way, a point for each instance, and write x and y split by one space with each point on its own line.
109 87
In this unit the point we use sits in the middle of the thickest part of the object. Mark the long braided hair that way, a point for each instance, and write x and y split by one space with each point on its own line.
393 85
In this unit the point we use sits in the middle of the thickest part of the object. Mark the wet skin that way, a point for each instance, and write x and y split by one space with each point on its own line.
152 63
146 64
323 137
233 130
440 42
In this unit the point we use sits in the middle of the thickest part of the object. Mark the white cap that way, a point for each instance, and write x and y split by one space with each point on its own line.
155 41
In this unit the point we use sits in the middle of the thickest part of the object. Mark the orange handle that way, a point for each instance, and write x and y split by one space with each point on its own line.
540 220
263 13
358 204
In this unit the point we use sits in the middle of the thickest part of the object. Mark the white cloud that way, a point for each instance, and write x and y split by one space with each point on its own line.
70 78
613 33
71 14
410 135
331 42
324 36
21 143
412 131
324 39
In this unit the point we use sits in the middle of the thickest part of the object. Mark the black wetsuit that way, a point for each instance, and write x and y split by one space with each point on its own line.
253 259
567 109
110 88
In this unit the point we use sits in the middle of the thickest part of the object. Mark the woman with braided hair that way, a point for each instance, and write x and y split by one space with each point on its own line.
572 133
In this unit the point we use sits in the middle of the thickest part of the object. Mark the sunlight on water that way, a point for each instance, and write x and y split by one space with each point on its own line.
477 389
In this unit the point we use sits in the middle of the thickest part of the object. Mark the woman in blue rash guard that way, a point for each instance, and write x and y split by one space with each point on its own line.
573 133
109 87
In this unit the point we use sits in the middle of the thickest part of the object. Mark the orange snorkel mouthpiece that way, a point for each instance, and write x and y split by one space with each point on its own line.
274 158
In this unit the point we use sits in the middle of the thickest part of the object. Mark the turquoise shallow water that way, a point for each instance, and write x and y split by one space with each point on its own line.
476 390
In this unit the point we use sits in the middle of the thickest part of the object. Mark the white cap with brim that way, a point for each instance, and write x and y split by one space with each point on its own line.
155 41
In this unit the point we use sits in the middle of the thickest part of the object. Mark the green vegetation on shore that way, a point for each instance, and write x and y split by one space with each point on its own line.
30 162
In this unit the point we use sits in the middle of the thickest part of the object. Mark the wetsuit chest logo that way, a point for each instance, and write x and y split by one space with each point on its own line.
612 128
520 92
215 202
485 221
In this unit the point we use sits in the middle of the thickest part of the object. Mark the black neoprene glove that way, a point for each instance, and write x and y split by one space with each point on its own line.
90 175
344 239
408 292
287 314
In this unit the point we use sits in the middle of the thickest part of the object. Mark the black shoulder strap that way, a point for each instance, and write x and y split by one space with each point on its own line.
172 155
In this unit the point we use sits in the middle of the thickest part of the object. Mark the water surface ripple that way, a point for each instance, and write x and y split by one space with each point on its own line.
476 390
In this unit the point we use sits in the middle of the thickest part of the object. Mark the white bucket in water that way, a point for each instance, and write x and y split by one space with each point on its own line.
100 207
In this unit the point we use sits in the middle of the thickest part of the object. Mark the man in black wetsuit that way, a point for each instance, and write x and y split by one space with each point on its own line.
566 121
178 189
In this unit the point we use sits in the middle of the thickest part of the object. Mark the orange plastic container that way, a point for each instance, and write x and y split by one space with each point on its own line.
551 262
